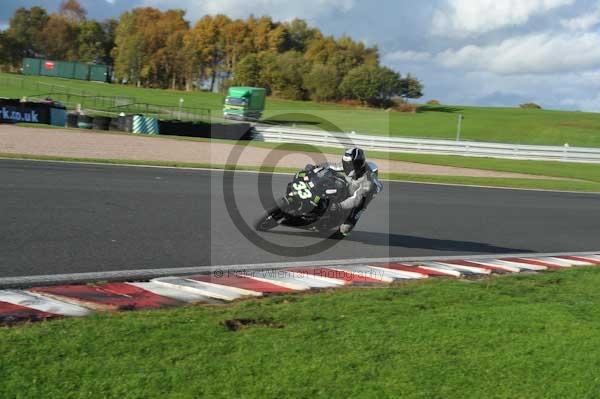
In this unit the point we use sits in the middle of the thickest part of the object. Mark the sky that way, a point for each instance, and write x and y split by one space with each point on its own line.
467 52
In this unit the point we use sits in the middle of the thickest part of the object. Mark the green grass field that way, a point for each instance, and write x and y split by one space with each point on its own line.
526 336
557 169
511 125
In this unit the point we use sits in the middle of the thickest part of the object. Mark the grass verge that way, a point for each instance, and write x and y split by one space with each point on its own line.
563 170
533 336
533 184
506 125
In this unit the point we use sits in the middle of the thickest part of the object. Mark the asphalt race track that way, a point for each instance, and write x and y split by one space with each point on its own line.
66 218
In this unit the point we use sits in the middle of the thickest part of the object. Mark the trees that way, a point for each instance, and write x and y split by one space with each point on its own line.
25 32
238 43
7 49
372 85
376 85
207 47
530 106
411 87
127 52
59 38
72 11
287 79
259 30
277 39
65 35
164 43
91 41
322 82
359 84
299 34
248 71
173 59
60 34
109 29
155 48
146 41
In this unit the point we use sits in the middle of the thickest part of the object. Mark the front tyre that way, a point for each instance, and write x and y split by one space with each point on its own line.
337 235
267 221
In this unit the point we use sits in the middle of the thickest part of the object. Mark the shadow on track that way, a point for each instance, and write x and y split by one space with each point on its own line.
406 241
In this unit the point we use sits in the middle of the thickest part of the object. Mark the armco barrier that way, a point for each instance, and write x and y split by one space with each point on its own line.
565 153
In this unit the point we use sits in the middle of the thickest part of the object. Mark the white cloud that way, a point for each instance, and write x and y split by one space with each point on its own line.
536 53
406 56
583 22
278 9
470 17
587 104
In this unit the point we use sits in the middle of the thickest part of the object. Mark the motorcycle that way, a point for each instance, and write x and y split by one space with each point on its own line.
307 200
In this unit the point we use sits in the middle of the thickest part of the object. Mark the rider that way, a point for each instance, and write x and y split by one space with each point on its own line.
362 185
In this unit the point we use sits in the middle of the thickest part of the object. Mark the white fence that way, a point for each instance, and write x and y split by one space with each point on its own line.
281 134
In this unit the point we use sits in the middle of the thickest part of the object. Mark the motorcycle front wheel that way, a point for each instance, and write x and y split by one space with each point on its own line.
267 221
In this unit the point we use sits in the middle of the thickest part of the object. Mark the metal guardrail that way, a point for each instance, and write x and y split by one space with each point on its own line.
282 134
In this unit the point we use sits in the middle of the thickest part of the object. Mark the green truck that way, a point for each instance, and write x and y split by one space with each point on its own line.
244 103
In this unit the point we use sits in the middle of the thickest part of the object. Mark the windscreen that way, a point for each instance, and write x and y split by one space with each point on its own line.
236 101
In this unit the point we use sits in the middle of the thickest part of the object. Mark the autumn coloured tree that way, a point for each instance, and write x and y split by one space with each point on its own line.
153 48
59 38
72 11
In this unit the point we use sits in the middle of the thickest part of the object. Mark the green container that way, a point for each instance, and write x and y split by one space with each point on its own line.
49 68
65 69
31 66
100 73
82 71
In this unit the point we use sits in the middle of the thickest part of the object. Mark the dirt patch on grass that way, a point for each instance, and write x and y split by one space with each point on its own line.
240 324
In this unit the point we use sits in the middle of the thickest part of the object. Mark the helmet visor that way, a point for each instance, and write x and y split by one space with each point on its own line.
347 164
